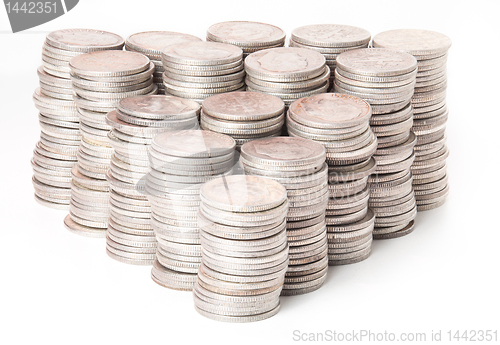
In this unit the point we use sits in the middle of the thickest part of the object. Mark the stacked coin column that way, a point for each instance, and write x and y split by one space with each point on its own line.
299 165
430 180
341 124
55 154
151 43
100 79
243 115
197 70
244 248
388 87
136 121
180 163
330 40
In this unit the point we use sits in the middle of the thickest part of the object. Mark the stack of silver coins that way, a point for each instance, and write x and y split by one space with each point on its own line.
55 154
100 79
299 165
243 115
244 248
388 87
136 121
330 40
198 70
341 124
288 73
430 48
249 36
180 163
151 44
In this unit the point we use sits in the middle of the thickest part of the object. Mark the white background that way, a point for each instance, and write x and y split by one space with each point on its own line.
60 288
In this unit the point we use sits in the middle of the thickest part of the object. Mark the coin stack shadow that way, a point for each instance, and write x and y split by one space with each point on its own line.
243 115
288 73
151 43
388 87
100 79
341 124
330 40
244 248
136 121
249 36
299 165
430 179
180 162
197 70
55 154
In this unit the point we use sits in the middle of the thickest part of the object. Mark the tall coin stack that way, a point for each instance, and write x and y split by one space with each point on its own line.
243 115
100 79
136 121
244 248
55 154
341 124
430 48
151 44
249 36
299 165
180 163
330 40
288 73
197 70
386 78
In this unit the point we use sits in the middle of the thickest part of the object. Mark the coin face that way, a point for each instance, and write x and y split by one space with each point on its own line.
379 61
283 149
243 104
191 142
204 53
158 40
158 106
330 35
246 32
71 39
110 62
413 41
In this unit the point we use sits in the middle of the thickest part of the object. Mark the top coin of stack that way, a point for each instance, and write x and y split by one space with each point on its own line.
197 70
330 40
151 44
249 36
289 73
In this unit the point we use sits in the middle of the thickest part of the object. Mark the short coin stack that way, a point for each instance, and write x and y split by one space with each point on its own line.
289 73
244 248
55 154
180 163
249 36
243 115
430 48
330 40
341 123
386 78
136 121
299 165
197 70
100 79
151 44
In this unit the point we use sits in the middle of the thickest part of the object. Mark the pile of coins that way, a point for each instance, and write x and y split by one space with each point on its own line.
249 36
299 165
430 48
180 163
197 70
136 121
100 80
386 79
288 73
243 115
330 40
341 124
151 44
244 248
55 154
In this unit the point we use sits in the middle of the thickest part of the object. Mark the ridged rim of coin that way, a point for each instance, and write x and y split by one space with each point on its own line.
330 35
413 41
109 63
84 40
202 53
246 34
153 42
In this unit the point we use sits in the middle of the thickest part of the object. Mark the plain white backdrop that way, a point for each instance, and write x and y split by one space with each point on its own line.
60 288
